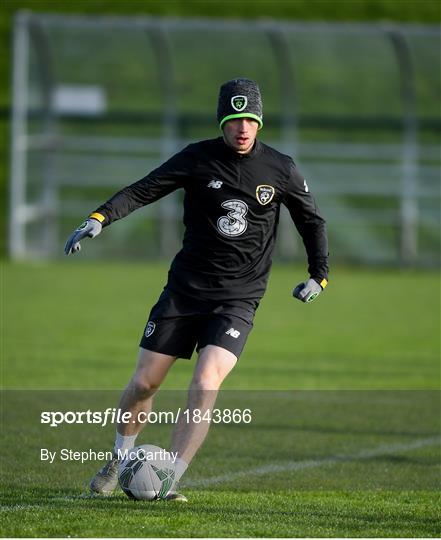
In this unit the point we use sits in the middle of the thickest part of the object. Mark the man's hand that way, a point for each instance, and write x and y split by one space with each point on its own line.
91 228
307 291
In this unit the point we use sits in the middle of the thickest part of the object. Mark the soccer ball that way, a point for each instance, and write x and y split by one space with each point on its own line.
145 473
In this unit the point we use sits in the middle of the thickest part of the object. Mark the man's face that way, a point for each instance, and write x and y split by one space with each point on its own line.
240 134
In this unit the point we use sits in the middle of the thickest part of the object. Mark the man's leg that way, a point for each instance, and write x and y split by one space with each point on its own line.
137 397
213 365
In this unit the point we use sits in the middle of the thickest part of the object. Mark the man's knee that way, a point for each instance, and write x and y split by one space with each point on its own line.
203 391
150 372
205 382
213 366
142 387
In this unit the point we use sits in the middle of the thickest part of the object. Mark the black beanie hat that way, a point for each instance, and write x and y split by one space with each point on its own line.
239 98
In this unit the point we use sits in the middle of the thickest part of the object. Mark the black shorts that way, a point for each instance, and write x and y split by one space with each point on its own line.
177 324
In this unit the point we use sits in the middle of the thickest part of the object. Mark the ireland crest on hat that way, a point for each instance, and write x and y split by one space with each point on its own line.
239 103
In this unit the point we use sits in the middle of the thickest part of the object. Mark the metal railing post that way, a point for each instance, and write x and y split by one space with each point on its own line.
409 160
167 207
49 199
17 198
288 243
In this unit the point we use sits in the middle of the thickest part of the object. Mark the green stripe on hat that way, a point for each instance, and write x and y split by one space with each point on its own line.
242 115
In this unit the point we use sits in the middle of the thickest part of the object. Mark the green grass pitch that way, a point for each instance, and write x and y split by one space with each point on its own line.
345 434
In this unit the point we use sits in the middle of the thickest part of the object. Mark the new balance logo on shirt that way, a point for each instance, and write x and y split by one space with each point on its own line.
233 333
215 184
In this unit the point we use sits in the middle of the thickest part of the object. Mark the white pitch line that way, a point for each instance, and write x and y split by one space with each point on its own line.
20 507
312 463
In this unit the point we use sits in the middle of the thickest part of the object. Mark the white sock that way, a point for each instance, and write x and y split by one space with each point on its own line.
180 468
123 442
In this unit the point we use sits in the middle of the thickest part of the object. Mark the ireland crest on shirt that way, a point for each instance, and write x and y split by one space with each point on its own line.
264 194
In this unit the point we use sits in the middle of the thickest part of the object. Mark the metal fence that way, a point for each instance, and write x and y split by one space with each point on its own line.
99 101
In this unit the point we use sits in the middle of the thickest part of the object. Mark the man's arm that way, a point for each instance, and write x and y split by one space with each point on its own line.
168 177
312 228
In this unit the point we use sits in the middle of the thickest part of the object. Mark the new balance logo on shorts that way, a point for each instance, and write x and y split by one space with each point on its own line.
215 184
233 333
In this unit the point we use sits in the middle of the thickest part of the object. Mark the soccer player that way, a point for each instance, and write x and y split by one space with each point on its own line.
234 186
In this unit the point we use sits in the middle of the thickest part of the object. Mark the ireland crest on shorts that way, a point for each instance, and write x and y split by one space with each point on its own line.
239 103
149 329
265 194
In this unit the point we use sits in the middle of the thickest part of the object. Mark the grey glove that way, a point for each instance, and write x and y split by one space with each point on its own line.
91 228
307 291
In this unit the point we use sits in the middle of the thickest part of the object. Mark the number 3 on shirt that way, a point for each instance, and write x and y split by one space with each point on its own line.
234 223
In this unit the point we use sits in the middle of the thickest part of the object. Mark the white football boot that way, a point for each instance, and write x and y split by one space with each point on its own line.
174 496
106 480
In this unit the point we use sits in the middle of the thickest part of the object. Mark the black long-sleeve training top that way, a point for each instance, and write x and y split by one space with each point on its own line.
231 213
